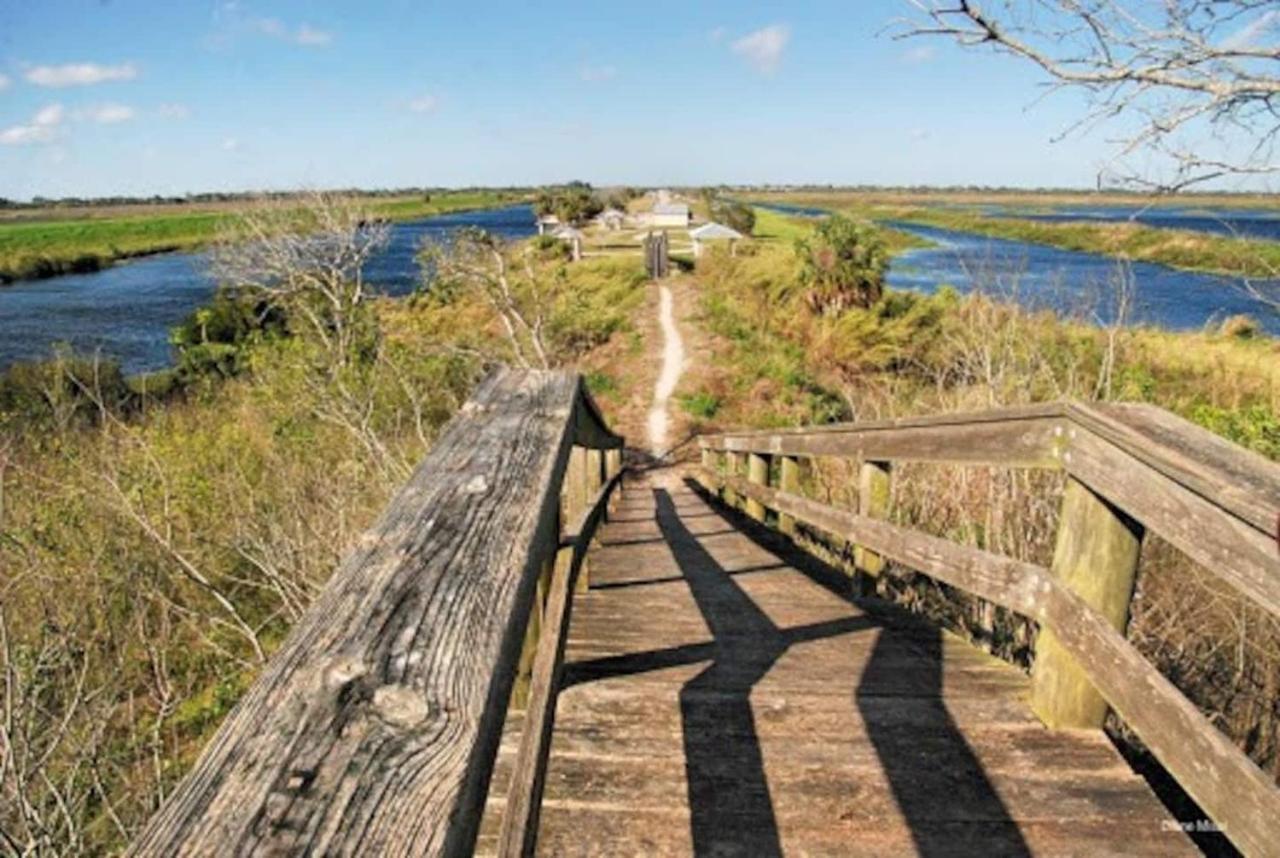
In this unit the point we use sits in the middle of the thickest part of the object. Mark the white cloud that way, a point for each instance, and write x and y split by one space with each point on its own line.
49 115
174 111
1251 34
107 114
919 54
304 35
4 82
41 129
308 35
716 34
594 74
763 48
424 104
79 74
230 144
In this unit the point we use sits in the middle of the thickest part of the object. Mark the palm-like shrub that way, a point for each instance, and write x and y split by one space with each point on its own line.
842 266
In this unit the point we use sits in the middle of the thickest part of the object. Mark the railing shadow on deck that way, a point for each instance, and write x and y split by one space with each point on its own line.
1130 470
731 810
953 772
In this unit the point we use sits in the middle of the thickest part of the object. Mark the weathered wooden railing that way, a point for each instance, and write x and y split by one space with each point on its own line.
373 730
1130 469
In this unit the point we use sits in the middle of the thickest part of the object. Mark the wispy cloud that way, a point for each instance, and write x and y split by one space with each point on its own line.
4 82
230 144
308 35
1251 34
41 129
79 74
595 74
423 104
106 114
174 111
763 49
305 34
919 54
716 34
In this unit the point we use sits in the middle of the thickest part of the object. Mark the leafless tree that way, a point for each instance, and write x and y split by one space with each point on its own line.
1200 77
308 257
478 265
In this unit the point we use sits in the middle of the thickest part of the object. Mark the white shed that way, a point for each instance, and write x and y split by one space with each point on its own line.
548 223
713 232
670 214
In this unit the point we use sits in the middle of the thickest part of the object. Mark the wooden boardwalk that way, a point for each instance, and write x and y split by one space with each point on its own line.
724 695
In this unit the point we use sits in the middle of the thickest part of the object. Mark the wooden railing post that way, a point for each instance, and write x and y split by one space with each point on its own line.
595 472
874 484
1096 557
757 473
732 468
612 467
576 497
532 635
788 482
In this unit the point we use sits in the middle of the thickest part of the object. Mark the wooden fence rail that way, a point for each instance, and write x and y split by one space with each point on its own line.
1131 469
373 730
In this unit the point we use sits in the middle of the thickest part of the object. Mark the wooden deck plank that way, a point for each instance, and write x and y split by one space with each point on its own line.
726 696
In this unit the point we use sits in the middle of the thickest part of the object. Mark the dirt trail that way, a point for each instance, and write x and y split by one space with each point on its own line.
673 364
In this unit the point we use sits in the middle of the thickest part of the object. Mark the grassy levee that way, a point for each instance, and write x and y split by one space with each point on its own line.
36 247
1185 249
1177 248
771 362
156 551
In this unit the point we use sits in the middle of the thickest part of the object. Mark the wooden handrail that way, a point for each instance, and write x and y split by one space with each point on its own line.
374 728
1214 501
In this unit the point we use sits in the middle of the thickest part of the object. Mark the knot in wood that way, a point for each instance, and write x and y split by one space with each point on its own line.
400 706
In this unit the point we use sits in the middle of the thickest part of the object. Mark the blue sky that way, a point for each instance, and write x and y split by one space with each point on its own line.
135 97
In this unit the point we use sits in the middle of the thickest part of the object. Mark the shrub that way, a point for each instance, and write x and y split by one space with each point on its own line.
842 265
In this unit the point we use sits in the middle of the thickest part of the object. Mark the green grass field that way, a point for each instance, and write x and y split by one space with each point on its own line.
34 248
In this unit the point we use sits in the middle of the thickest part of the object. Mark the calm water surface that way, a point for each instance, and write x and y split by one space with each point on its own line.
126 311
1071 282
1250 223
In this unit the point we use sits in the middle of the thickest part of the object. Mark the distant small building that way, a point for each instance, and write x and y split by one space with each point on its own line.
713 232
548 223
612 219
573 237
670 214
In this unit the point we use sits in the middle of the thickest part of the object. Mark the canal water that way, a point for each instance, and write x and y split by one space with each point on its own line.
1084 285
125 312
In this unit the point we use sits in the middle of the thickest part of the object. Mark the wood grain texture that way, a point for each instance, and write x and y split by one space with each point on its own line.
1229 547
373 729
1219 776
1096 557
726 697
1237 480
1029 442
518 835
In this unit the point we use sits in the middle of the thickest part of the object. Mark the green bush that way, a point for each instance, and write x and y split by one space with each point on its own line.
842 265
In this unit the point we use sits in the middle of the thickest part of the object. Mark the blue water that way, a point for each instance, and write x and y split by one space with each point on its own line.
125 312
1078 284
1249 223
1082 285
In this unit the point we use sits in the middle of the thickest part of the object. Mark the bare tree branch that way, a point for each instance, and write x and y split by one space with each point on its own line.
1201 77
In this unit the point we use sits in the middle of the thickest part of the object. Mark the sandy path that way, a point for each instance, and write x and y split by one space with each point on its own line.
672 368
